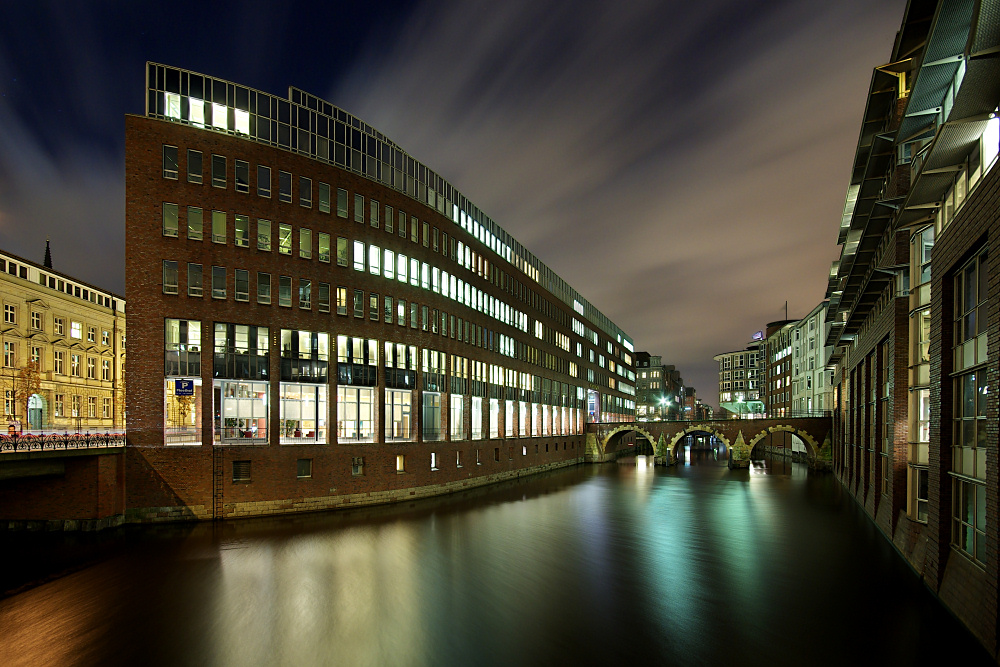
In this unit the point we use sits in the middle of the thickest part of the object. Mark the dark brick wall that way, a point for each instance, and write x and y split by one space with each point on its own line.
197 481
91 486
968 589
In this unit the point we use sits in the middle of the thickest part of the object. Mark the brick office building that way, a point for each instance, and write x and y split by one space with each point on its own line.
915 337
321 320
778 351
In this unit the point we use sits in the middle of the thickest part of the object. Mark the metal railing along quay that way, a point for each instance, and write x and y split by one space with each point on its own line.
32 442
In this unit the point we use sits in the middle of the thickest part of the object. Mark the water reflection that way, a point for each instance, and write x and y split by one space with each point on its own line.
614 564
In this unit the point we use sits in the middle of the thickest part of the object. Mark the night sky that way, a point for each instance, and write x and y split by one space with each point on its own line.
682 164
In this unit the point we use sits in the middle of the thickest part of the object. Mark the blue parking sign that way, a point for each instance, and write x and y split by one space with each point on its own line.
183 387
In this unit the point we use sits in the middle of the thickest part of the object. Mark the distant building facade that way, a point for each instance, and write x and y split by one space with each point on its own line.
812 387
74 335
659 388
778 346
741 380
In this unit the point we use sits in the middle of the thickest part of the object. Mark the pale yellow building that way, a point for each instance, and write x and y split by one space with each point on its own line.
76 334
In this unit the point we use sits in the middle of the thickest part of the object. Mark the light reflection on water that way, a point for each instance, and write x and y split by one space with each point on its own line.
610 564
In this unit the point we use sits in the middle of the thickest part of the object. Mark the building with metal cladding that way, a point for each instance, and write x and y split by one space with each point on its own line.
916 334
321 320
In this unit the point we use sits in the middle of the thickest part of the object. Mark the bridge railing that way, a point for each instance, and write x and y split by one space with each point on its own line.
30 442
789 414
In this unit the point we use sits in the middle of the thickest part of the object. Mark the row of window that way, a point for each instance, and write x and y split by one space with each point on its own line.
300 292
76 406
971 393
368 258
75 367
431 236
76 328
248 348
338 140
242 414
59 284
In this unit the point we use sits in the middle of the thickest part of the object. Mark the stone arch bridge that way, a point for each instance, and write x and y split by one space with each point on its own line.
743 438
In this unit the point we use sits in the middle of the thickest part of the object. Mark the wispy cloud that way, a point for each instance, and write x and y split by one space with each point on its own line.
681 164
683 167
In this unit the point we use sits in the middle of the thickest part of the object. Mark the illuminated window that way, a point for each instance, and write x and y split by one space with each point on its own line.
218 226
196 112
220 116
324 247
284 239
170 219
305 243
242 238
264 235
342 254
195 223
389 264
401 264
172 105
342 301
241 120
359 256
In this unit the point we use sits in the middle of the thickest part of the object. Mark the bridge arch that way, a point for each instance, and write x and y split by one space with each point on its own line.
692 430
611 439
812 447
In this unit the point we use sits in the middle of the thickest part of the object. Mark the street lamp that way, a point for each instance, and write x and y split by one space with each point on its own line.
664 403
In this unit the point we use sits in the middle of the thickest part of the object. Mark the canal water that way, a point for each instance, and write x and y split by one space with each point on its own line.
617 564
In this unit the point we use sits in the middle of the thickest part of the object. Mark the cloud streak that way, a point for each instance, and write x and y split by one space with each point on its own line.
684 167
